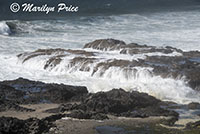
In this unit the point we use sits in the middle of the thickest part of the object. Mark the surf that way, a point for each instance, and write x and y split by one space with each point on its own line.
4 29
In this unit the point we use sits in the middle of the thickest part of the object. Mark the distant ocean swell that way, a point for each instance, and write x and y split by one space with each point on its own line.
158 29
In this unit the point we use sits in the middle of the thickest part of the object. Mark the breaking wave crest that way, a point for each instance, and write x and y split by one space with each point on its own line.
4 29
103 70
140 79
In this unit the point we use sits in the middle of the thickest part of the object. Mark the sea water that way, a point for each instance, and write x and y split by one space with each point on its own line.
176 28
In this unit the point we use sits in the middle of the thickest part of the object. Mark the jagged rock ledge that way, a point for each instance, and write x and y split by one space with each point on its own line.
164 61
75 102
116 102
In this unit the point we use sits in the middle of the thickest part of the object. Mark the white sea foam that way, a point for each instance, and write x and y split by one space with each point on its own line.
139 79
134 79
4 29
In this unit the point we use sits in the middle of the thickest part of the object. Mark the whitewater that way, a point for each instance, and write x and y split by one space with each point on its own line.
177 29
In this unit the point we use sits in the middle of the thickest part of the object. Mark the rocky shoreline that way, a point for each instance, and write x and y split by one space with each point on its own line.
166 62
18 97
35 107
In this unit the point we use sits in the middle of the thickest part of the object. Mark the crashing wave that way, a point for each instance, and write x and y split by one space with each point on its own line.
4 28
162 72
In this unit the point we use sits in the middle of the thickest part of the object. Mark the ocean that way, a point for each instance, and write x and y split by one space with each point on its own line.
159 23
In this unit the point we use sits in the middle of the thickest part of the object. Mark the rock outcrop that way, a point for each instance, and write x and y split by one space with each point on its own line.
194 105
9 125
23 91
107 44
76 102
116 102
193 125
165 61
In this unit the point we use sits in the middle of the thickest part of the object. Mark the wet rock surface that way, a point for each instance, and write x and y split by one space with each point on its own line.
194 105
23 91
107 44
165 61
54 56
116 102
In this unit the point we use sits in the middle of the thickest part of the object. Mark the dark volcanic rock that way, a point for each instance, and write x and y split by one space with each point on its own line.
176 67
150 111
193 76
37 126
87 106
62 93
7 105
53 62
119 103
40 52
125 65
170 121
55 55
186 64
82 63
132 48
105 44
9 93
10 97
141 50
193 125
116 102
81 52
194 105
80 114
9 125
59 52
36 92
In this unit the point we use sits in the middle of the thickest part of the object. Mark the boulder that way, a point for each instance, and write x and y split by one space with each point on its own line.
118 102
